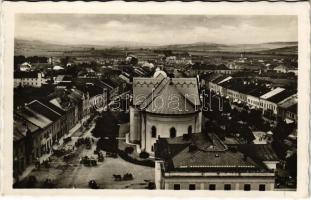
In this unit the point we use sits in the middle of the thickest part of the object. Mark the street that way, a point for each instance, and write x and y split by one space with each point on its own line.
72 174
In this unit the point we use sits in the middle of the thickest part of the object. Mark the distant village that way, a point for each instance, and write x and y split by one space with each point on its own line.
239 132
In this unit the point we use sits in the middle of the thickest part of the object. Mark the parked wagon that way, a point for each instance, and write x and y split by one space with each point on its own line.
68 156
112 154
93 184
67 139
100 157
88 161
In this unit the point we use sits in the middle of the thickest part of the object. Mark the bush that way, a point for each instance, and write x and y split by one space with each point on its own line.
129 150
144 155
110 145
126 157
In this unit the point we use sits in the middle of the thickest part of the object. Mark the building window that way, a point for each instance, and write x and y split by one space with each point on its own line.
172 132
262 187
247 187
189 129
212 187
191 186
176 186
227 187
153 132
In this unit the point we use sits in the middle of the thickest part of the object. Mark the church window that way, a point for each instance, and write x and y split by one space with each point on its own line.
172 132
189 129
153 132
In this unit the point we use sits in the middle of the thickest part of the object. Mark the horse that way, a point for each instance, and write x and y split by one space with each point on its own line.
128 176
117 177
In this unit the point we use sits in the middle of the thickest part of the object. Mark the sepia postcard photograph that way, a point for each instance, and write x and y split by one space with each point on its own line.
156 97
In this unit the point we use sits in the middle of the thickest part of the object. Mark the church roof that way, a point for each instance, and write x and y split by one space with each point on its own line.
166 95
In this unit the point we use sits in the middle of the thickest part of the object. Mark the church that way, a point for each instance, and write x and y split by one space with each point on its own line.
163 107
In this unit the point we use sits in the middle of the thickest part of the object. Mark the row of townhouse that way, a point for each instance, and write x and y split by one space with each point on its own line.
258 96
39 125
29 78
36 128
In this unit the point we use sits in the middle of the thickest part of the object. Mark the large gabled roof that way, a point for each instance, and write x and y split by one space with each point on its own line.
166 95
209 154
281 96
34 117
21 127
210 160
44 110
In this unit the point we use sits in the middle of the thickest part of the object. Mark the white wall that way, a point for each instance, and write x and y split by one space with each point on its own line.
135 125
163 125
202 183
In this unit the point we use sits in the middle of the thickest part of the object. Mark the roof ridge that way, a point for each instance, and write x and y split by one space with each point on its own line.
149 98
184 97
48 107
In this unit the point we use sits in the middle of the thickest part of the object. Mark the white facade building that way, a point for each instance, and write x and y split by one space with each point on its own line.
163 107
31 79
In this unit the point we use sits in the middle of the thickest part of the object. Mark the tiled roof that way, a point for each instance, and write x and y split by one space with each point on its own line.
54 107
239 85
219 79
59 78
44 110
166 95
272 93
60 104
82 83
34 117
261 152
288 102
21 127
213 160
258 91
22 74
209 155
281 96
293 108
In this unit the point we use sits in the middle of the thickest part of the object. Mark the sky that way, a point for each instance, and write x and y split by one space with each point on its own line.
103 29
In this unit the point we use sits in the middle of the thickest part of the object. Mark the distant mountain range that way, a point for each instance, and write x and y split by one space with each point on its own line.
40 48
233 47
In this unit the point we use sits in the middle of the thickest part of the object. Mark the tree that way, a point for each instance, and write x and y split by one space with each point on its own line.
246 133
64 61
244 115
106 126
281 131
18 60
107 144
232 127
226 107
291 165
255 119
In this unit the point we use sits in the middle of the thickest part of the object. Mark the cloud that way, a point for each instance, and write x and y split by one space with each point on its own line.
155 29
